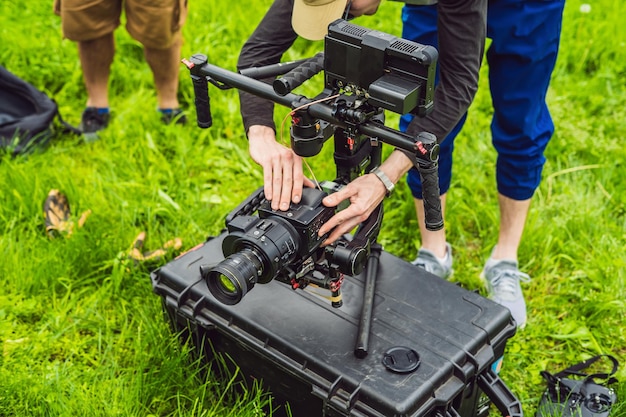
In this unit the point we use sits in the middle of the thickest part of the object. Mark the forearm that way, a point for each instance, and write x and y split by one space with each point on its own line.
267 44
462 32
396 165
260 132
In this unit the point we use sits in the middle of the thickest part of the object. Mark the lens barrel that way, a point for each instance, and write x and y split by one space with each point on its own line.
232 278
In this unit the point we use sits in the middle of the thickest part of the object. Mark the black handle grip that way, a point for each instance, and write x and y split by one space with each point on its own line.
202 101
501 396
430 192
272 70
430 181
298 75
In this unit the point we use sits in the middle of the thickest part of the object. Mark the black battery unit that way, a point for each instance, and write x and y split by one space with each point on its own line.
431 346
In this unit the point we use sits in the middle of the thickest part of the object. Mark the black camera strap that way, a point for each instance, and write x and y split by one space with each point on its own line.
577 368
554 380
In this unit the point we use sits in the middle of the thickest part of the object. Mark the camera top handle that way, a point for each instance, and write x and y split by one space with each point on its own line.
424 148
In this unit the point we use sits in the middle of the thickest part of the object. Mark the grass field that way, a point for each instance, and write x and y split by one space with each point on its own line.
81 332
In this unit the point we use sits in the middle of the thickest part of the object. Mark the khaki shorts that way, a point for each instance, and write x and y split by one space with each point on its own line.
154 23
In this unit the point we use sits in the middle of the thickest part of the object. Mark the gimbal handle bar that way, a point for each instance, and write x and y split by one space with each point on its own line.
273 70
424 147
298 75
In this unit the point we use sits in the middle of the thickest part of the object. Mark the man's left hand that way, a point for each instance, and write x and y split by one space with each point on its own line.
364 193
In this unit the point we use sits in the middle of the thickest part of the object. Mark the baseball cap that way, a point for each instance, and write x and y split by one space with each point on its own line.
310 18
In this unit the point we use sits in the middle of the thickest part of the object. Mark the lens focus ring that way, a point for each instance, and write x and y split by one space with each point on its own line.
232 278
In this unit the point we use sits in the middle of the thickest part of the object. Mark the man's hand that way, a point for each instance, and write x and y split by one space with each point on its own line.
363 7
282 168
365 193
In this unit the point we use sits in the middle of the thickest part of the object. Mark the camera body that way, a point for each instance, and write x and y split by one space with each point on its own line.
576 398
269 245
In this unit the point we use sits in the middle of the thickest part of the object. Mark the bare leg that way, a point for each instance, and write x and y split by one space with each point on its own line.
165 64
96 57
513 215
433 241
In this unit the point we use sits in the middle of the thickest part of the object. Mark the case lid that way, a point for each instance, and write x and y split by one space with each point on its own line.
456 334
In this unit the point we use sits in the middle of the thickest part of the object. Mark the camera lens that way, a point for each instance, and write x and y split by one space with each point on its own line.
598 403
232 278
226 284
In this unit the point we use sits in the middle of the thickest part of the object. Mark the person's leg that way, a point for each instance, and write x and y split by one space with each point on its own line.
157 25
92 25
513 215
96 57
525 39
420 25
165 65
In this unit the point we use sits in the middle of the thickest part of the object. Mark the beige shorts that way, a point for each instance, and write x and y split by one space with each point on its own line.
154 23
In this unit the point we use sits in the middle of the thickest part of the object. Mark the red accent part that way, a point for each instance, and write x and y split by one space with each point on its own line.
351 143
420 147
336 285
188 63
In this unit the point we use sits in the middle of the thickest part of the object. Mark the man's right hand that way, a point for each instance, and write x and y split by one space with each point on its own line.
282 168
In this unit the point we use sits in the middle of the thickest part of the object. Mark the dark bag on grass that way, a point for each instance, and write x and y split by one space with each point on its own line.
26 115
583 396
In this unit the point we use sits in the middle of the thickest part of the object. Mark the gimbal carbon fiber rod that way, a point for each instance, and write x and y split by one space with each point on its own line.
365 322
424 147
200 67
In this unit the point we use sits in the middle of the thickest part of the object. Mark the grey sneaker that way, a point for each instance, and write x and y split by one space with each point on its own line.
427 260
502 278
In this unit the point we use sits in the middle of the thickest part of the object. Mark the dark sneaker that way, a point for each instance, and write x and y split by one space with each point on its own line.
176 116
93 120
502 278
427 260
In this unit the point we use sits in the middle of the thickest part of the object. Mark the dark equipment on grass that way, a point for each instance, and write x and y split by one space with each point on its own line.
399 76
366 72
27 115
583 396
272 244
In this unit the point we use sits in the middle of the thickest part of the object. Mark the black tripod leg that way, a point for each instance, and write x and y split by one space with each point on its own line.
365 324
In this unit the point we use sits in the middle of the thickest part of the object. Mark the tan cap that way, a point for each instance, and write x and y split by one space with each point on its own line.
311 18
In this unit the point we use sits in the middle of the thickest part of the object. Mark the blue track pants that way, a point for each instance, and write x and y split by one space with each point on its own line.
525 38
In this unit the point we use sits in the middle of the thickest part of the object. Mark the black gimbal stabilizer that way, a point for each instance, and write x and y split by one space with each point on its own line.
366 72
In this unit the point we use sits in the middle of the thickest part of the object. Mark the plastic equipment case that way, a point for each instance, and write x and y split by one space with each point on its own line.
303 349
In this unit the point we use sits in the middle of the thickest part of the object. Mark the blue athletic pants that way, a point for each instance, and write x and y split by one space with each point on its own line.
525 38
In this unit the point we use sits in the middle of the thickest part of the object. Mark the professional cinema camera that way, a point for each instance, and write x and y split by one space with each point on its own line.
366 72
273 244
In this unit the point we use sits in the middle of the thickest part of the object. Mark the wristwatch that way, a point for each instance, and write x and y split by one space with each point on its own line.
385 180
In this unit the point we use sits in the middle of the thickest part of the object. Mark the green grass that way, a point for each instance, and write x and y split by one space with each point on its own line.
81 332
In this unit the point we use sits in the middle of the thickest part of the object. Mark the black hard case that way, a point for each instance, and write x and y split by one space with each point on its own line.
303 349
